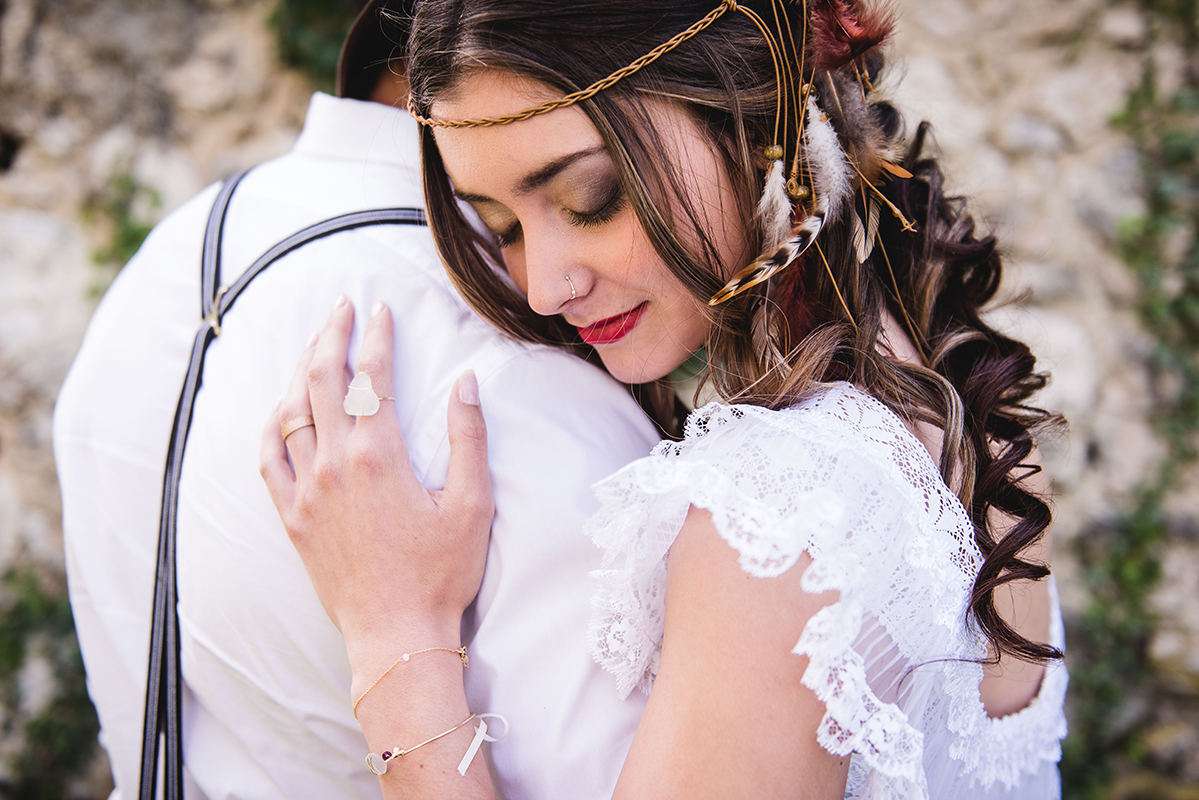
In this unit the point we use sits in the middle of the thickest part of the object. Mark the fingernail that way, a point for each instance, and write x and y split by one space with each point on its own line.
278 405
340 302
468 388
312 339
378 309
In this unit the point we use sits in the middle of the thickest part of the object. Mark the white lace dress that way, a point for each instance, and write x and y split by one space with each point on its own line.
894 661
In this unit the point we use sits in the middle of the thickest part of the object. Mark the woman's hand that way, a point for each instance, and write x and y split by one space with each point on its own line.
393 563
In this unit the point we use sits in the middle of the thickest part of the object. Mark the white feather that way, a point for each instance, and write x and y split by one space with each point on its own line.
858 236
774 208
863 236
826 160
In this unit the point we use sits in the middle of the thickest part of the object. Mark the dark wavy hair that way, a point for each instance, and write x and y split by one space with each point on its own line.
823 318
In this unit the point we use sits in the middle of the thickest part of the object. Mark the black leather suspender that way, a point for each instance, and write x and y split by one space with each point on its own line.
164 711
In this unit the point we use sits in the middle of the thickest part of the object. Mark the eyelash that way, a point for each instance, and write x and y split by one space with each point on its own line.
508 237
604 214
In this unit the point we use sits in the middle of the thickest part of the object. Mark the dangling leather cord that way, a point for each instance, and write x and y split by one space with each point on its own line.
164 710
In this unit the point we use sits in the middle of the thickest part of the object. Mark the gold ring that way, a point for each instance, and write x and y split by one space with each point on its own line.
293 425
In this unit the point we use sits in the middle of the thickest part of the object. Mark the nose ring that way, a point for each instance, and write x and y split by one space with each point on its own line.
573 293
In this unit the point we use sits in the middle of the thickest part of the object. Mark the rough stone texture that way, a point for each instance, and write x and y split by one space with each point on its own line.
174 94
1022 94
1023 122
177 93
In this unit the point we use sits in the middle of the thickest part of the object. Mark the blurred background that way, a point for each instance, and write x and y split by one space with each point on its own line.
1073 126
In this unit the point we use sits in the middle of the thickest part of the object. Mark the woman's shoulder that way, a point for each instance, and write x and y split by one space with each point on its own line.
838 481
837 476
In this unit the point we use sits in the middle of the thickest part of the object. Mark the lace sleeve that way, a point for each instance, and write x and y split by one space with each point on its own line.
642 510
840 478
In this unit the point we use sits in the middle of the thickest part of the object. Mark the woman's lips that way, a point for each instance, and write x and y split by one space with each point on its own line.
612 329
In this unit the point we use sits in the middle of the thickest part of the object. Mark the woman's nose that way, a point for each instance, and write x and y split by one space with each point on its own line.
553 277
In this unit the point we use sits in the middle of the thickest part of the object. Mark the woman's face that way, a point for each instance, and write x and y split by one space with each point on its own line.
549 191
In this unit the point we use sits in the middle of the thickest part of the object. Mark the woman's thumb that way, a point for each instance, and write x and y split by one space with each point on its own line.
468 480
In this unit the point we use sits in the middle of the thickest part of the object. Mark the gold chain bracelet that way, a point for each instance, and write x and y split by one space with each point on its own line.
460 652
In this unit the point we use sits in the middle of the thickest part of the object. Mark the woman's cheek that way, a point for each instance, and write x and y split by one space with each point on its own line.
514 262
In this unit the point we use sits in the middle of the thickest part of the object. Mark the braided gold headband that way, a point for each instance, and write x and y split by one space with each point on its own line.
590 91
850 33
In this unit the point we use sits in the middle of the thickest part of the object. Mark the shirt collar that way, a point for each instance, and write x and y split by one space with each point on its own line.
359 130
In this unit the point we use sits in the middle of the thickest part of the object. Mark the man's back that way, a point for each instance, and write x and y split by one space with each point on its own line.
266 709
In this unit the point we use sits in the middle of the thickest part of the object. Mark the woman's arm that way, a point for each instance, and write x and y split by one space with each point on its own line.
728 716
394 564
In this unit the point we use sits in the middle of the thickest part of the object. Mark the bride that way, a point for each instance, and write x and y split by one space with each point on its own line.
833 580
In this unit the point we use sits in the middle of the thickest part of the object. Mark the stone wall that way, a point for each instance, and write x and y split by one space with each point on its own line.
1023 95
167 96
174 94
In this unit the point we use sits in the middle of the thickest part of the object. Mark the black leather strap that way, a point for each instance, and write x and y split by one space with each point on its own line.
164 710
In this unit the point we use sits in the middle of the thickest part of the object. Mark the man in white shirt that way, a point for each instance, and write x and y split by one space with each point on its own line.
265 707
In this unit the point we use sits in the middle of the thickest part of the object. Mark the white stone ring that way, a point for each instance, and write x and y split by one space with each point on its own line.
361 400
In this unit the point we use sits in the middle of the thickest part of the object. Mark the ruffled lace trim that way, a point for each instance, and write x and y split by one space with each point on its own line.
1025 739
853 488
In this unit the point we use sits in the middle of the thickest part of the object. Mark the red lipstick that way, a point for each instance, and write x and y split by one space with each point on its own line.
612 329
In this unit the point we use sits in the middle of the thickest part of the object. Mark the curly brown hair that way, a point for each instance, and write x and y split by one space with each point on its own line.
823 318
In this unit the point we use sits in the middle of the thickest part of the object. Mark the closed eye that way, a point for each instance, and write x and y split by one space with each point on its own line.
509 237
605 213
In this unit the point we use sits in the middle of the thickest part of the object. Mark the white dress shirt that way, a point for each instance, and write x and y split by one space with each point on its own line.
266 704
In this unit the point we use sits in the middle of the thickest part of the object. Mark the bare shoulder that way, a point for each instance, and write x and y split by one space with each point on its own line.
729 715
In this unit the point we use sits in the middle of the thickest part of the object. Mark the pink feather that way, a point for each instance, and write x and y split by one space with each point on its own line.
845 30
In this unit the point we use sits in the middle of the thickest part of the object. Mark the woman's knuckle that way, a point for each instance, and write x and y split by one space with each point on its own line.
472 432
477 506
318 373
372 365
295 531
361 451
326 474
289 409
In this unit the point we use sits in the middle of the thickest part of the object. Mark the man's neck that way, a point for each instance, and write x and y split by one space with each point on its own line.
390 90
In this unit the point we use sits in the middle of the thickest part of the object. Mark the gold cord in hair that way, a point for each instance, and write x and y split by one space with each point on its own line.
836 288
780 68
916 338
793 185
590 91
907 226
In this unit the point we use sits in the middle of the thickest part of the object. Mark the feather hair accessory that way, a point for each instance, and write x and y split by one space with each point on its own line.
857 121
826 161
864 235
767 266
764 340
845 30
774 208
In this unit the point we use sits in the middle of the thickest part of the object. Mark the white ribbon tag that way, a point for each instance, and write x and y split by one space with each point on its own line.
480 737
361 400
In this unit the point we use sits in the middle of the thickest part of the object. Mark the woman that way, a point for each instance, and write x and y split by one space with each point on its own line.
834 583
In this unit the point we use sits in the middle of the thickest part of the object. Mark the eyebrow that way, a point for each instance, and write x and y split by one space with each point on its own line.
541 177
